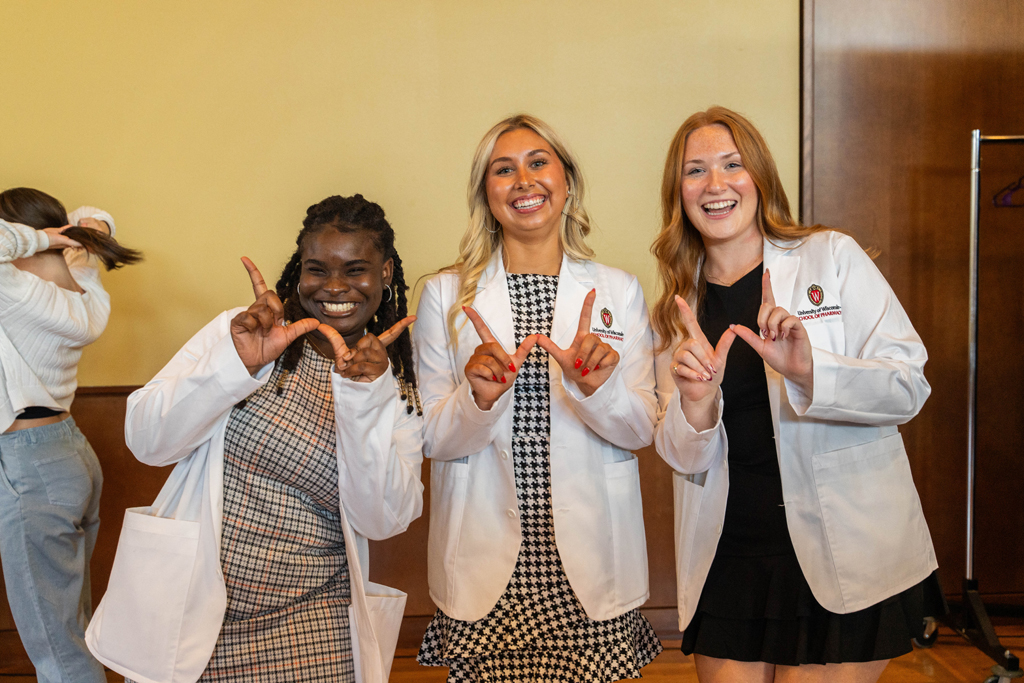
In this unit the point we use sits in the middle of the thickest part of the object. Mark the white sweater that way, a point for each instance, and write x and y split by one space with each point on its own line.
43 327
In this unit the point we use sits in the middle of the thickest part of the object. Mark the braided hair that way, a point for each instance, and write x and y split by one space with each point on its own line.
350 214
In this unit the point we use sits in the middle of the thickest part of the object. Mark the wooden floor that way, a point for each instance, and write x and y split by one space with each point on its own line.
951 660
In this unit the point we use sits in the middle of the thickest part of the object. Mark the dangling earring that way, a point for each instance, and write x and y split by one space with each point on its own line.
390 296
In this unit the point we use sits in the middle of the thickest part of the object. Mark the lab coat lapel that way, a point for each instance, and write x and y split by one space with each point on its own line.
783 262
574 283
493 304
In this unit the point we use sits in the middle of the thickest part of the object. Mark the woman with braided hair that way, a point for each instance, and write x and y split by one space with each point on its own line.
304 408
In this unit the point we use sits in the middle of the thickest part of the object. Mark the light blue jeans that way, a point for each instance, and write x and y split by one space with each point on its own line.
50 483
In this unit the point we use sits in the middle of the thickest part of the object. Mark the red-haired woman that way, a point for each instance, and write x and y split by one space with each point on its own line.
804 552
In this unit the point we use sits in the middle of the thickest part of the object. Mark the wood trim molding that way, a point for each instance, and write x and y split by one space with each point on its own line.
807 112
98 391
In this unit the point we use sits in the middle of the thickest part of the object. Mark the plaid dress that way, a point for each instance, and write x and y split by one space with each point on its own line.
538 630
282 547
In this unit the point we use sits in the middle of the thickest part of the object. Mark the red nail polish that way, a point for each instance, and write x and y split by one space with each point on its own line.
463 309
584 372
503 380
597 367
578 363
511 367
494 377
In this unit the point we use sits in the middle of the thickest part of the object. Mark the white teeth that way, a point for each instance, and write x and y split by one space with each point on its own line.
528 203
715 206
337 308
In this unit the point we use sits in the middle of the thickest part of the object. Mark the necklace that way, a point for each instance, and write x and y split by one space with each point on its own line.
316 347
729 283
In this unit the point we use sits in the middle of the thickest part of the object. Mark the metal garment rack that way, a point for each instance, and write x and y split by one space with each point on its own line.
972 621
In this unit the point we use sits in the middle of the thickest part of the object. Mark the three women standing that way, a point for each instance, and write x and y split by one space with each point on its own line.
803 540
535 387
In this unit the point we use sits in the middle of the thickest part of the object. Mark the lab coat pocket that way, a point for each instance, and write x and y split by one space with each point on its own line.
386 606
629 542
872 516
687 497
144 606
448 484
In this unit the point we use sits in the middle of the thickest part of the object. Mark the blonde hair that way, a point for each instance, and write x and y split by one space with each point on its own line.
484 235
679 247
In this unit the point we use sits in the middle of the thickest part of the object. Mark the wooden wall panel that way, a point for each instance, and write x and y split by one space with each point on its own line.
891 93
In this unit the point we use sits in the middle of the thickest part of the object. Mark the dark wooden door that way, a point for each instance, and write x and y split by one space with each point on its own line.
892 90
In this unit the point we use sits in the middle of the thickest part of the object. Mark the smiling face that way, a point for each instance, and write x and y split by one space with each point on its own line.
526 186
342 280
719 196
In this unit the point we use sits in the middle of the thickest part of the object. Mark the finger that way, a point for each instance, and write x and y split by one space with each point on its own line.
585 313
600 356
724 344
273 302
393 332
299 328
560 355
486 367
367 368
258 285
691 324
790 325
264 314
522 351
337 342
583 352
703 352
688 360
775 319
748 336
479 324
767 297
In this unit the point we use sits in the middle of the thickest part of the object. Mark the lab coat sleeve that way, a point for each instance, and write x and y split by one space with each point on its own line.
180 408
92 212
623 410
453 426
881 381
679 444
379 455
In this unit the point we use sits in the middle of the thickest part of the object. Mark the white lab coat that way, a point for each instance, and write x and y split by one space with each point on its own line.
852 509
162 614
475 530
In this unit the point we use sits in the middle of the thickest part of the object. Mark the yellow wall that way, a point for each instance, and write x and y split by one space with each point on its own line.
207 128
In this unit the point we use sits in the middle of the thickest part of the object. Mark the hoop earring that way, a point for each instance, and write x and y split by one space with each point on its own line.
390 295
493 232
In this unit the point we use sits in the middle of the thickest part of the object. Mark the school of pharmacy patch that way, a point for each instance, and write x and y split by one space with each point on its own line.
607 333
815 294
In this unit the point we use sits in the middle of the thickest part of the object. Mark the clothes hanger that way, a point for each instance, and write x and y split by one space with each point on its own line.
1010 196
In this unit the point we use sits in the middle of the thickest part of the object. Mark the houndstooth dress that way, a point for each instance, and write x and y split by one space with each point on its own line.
282 546
538 630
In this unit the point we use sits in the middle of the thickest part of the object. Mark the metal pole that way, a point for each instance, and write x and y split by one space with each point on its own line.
972 345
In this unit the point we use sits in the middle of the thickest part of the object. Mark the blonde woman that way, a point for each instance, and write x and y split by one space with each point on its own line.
804 553
535 368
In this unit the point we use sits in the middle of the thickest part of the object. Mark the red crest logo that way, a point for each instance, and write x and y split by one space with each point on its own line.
815 294
606 317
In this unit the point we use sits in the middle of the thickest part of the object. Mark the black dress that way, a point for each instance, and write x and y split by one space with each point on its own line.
756 605
538 631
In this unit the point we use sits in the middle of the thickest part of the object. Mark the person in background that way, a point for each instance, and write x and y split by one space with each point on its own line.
803 553
52 305
537 377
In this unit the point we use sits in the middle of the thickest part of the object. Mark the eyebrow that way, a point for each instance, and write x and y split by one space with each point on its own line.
317 262
724 156
531 153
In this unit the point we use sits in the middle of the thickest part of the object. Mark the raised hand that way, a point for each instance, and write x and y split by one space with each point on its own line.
588 361
58 240
698 368
783 343
260 333
368 360
490 370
